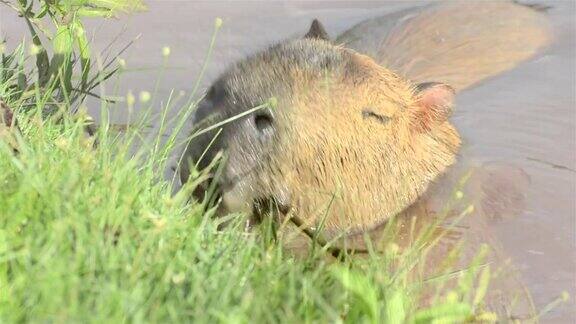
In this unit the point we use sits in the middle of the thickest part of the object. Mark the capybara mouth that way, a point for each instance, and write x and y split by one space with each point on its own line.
270 206
201 189
208 191
213 190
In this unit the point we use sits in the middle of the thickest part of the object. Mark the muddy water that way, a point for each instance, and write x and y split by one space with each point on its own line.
525 117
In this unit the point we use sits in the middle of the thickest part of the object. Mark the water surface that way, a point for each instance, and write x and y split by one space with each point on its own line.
525 117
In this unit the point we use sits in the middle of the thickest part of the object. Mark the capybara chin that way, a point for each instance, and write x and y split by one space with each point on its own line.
348 143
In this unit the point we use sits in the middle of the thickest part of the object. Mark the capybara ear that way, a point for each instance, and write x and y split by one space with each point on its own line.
434 102
317 31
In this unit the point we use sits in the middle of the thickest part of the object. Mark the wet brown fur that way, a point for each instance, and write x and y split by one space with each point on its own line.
349 169
352 145
328 159
457 42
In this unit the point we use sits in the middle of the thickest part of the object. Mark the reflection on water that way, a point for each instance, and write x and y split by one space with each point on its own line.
525 118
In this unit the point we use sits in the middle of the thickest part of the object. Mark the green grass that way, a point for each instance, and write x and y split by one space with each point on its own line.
92 233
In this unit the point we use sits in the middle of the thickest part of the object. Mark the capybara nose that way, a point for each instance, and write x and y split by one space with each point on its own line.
263 122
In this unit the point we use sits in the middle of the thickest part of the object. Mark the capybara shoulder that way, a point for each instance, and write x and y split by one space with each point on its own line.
457 42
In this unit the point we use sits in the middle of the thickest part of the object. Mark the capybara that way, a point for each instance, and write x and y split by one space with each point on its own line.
358 128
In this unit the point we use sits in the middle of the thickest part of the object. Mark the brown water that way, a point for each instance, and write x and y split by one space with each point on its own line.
525 117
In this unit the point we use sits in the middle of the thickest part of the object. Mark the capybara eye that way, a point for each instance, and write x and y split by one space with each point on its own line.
263 121
366 113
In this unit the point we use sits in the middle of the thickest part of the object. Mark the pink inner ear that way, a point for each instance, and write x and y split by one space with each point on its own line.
437 95
434 106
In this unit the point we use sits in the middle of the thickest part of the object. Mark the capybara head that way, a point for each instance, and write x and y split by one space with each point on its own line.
347 142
